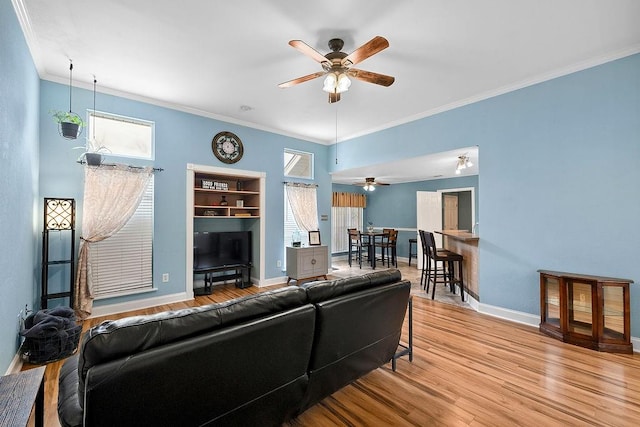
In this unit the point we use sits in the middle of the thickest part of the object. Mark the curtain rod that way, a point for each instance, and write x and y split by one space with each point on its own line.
300 184
82 162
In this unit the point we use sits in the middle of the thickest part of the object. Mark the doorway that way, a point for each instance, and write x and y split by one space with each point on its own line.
458 209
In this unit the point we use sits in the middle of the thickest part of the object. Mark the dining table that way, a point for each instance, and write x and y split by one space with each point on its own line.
371 236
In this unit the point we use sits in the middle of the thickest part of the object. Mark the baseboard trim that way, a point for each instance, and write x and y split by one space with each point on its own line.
16 364
105 310
272 281
524 318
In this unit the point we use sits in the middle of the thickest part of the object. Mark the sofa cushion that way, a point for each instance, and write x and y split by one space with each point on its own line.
115 339
327 289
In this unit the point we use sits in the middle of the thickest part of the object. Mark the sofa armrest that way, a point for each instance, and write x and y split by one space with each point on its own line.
69 410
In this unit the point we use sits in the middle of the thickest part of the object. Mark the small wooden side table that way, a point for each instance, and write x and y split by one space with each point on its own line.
18 393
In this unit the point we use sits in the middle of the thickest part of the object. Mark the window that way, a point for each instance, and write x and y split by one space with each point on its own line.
123 263
121 136
290 226
341 219
298 164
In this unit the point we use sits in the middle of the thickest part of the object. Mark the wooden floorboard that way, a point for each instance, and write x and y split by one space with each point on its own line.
469 369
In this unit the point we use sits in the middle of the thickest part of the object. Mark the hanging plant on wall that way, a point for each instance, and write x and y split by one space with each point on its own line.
69 123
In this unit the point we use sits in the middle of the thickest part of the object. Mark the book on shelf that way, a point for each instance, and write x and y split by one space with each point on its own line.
242 214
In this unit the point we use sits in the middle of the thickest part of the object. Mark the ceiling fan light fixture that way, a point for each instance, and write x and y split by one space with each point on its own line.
343 83
336 82
330 82
369 187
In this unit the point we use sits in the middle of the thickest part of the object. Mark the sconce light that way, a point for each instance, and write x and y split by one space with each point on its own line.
59 214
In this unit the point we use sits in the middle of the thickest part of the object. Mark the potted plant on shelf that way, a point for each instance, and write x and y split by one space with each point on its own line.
69 124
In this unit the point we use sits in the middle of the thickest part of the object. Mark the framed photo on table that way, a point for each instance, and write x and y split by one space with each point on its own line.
314 238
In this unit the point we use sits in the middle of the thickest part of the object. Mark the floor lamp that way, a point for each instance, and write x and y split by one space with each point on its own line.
59 215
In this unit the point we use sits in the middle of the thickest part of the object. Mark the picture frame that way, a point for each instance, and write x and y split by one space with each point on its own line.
314 238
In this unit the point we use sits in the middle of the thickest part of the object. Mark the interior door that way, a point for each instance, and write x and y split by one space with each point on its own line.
450 211
428 217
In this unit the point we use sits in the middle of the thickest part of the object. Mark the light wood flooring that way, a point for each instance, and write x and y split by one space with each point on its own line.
469 369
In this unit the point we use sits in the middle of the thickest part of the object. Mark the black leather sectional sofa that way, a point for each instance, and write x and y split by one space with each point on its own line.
259 360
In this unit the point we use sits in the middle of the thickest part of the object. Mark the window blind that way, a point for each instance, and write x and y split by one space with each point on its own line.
341 220
123 263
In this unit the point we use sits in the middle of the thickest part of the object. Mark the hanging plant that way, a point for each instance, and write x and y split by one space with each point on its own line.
69 124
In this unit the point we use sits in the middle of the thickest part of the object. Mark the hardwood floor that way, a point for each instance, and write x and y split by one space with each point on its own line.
468 369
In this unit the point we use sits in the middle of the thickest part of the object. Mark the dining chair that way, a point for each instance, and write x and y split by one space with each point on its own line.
388 246
356 246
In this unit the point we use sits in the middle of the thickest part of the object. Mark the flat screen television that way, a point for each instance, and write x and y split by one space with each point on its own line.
217 249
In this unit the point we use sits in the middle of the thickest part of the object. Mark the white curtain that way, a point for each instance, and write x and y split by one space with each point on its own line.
304 205
111 196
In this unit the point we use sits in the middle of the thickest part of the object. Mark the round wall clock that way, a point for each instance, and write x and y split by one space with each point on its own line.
227 147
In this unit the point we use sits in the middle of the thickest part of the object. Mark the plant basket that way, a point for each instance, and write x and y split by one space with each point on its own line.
69 130
93 159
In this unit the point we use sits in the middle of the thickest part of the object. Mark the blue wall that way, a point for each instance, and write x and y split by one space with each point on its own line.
181 138
558 182
18 180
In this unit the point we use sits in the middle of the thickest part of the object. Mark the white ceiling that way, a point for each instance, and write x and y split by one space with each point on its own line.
224 59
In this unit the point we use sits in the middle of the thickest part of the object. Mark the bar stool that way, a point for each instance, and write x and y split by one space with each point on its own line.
448 259
413 254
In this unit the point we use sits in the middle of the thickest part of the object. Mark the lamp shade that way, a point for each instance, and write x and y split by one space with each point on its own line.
59 214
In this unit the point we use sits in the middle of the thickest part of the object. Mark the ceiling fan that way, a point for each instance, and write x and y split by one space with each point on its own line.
370 184
337 66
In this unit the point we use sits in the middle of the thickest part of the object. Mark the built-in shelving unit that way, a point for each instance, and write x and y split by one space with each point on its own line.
221 196
244 194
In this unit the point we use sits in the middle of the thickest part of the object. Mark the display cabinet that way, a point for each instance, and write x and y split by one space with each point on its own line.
589 311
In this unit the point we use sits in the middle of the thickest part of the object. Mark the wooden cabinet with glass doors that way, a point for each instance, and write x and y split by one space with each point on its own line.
220 196
589 311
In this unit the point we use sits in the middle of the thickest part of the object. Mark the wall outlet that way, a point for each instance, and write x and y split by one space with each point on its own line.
165 277
278 263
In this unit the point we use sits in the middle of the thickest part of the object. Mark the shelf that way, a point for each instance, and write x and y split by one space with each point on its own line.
208 190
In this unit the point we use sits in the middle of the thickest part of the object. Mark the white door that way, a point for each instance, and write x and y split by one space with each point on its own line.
428 217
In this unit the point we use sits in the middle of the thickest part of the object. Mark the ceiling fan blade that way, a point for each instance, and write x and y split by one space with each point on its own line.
371 47
309 51
370 77
302 79
333 97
